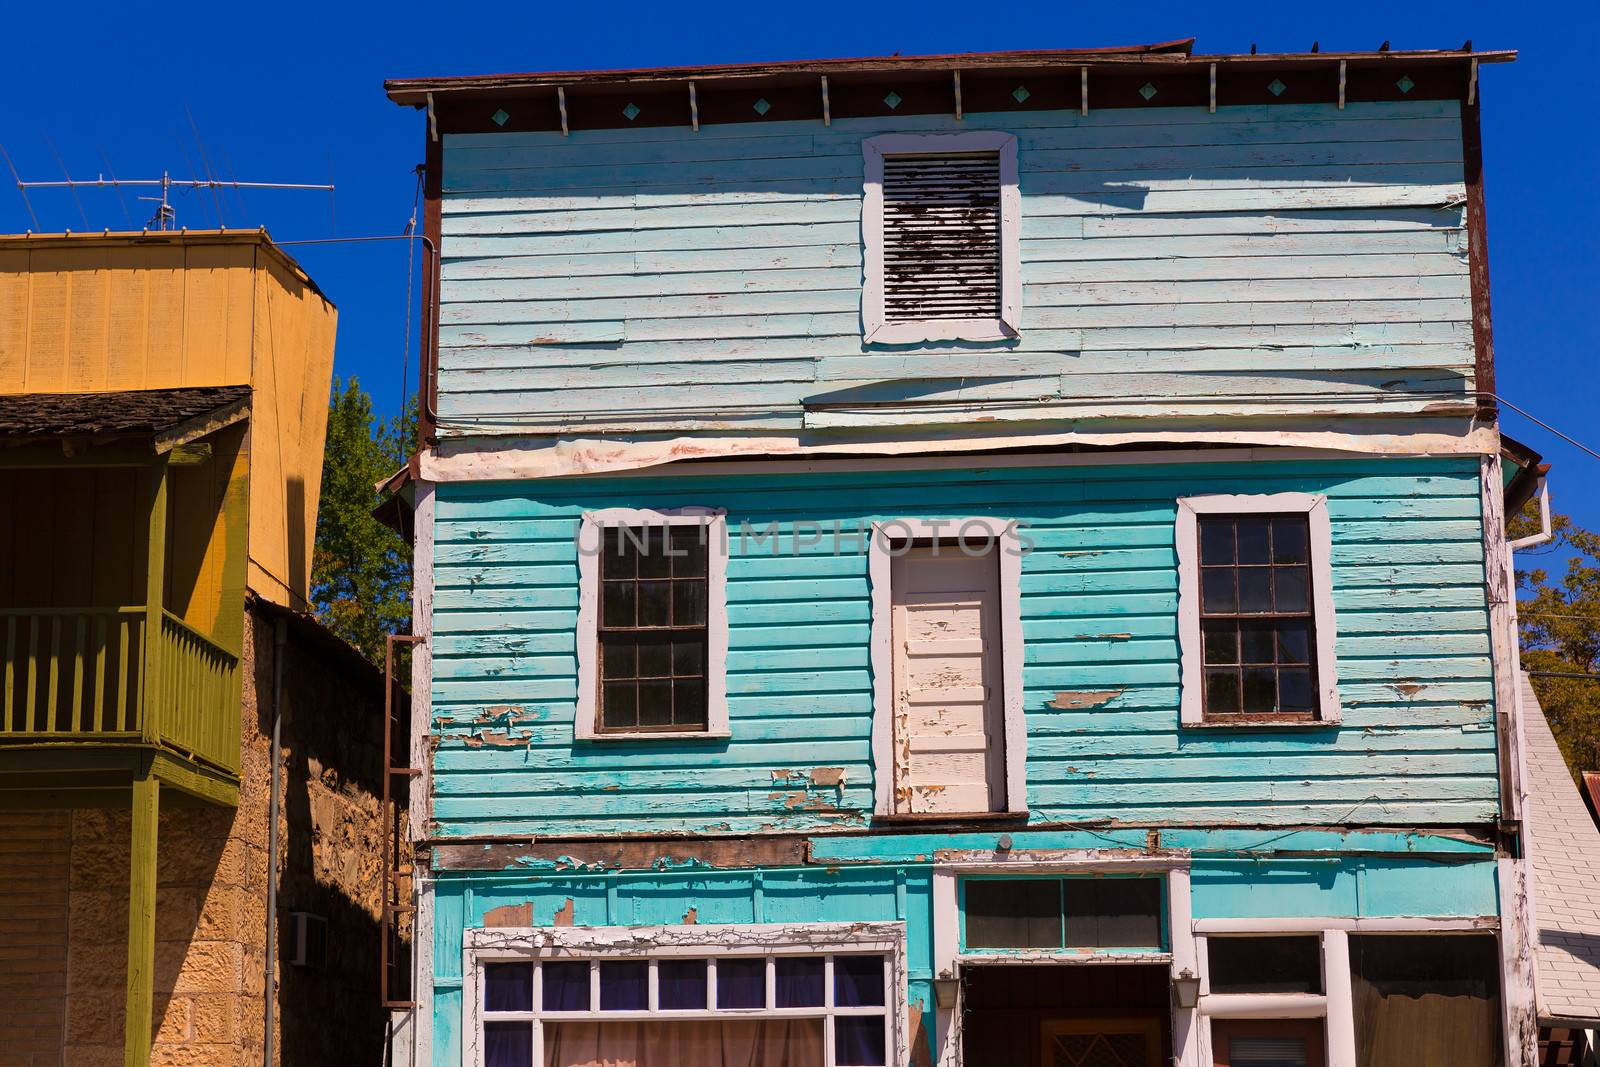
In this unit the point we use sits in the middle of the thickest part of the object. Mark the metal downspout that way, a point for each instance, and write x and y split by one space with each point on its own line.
270 986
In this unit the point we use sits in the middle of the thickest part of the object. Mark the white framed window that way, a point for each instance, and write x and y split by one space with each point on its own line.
1255 610
941 215
652 635
948 732
833 994
1311 991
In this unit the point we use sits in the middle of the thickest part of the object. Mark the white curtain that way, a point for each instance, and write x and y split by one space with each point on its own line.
689 1043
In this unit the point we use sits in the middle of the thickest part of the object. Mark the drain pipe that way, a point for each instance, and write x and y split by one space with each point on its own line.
270 985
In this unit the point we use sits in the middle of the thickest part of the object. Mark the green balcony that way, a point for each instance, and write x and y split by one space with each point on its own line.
86 689
122 597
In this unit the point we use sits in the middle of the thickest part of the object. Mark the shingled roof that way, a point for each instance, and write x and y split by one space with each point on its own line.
1564 847
148 411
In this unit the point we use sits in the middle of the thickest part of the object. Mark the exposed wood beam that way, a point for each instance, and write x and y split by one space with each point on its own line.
201 426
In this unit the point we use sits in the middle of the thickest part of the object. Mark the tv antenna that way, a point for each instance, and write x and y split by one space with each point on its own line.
166 216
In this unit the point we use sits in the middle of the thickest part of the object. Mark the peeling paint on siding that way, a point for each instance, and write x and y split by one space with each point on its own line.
1069 700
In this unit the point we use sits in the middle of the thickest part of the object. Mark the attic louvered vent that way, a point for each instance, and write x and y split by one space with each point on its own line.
940 217
941 237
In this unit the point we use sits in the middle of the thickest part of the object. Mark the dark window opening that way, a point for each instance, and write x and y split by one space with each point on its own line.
1257 623
1265 964
1062 913
941 237
653 628
1426 999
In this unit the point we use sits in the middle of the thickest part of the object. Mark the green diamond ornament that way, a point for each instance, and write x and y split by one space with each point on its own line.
500 118
1147 90
893 99
762 107
1405 84
631 112
1020 93
1276 87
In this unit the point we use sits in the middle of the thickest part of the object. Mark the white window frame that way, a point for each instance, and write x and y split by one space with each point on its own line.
712 942
876 328
1187 531
586 724
949 959
880 558
1336 1003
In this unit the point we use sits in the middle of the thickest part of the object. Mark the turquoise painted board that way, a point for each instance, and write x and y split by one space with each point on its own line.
1098 604
1378 887
1288 260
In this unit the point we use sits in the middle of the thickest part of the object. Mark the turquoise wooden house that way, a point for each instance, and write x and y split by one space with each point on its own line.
972 559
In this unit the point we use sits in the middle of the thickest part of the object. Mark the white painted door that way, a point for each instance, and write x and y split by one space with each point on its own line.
948 735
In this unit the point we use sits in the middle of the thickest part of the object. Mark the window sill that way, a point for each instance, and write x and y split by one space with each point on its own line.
923 818
657 735
1259 722
921 330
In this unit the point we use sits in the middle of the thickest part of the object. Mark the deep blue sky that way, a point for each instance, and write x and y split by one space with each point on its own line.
294 93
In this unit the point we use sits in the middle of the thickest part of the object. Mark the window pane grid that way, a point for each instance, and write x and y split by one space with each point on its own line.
865 977
652 630
1257 619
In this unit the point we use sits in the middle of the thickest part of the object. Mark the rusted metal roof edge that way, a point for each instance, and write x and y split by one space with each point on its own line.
258 237
414 91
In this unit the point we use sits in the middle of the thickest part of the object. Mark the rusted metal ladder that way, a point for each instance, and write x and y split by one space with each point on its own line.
394 976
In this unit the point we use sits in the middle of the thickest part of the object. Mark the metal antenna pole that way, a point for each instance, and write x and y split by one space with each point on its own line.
166 216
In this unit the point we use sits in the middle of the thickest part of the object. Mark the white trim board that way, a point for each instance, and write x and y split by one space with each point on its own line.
513 457
877 328
880 555
1186 532
586 726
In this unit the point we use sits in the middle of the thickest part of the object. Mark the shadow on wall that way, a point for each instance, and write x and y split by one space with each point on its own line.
294 507
202 906
329 1009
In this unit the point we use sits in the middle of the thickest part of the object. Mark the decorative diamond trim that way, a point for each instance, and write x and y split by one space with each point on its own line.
1276 87
631 112
893 99
500 118
761 106
1020 93
1405 84
1147 90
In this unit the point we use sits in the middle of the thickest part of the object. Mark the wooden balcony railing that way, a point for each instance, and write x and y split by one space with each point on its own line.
82 674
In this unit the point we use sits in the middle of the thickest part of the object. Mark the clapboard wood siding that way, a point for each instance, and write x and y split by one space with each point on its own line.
1099 618
1289 260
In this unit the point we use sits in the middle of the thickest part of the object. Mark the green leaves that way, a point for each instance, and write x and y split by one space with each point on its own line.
361 569
1560 624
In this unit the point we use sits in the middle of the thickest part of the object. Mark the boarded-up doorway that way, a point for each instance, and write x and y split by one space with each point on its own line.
949 747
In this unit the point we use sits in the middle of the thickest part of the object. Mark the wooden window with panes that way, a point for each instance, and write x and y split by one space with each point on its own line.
652 629
1257 622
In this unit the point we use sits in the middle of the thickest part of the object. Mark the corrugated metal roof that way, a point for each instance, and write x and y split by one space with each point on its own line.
1564 848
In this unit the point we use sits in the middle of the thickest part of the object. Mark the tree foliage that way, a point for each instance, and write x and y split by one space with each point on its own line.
1560 622
360 568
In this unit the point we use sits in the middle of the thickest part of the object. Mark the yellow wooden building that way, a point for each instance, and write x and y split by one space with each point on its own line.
163 406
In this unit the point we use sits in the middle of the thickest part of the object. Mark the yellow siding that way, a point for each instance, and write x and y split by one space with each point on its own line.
114 312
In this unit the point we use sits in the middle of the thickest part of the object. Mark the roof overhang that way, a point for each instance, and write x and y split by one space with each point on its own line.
1122 76
116 428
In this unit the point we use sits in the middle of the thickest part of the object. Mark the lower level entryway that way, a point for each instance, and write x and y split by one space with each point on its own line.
1066 1015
